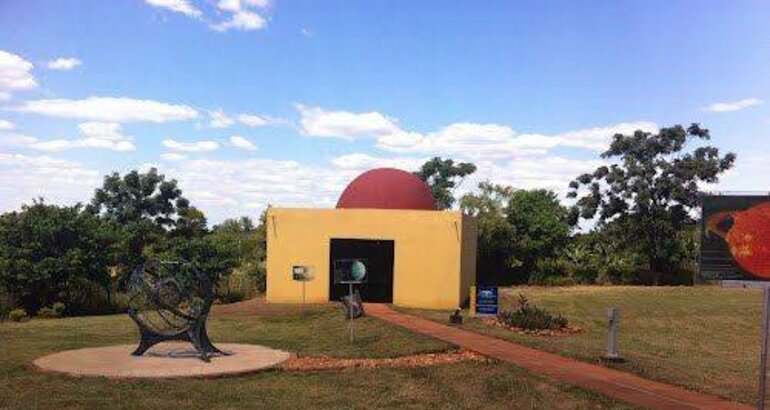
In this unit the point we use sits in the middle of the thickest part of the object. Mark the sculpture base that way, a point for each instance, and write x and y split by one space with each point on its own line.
164 360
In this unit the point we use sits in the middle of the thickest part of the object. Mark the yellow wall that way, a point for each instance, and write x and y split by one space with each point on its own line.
429 270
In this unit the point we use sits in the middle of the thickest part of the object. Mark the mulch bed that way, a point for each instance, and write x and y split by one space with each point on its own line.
301 364
567 331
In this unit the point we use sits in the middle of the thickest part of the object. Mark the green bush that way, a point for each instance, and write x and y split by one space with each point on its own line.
46 313
551 272
59 309
86 297
531 317
239 285
17 315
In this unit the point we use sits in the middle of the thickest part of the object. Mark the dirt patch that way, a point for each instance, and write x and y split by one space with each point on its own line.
301 364
567 331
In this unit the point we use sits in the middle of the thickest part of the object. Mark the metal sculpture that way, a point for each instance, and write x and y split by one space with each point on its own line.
170 301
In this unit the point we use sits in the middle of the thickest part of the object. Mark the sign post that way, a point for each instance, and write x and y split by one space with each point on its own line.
734 232
763 350
487 298
301 274
350 272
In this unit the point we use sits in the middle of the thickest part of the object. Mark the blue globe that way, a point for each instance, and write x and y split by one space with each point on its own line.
358 270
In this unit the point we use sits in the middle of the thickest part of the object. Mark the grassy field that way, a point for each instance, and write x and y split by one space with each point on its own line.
319 332
702 338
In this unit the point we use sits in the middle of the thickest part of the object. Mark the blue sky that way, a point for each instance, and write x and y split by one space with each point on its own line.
274 101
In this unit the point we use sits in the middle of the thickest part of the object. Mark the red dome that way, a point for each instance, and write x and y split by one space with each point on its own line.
387 188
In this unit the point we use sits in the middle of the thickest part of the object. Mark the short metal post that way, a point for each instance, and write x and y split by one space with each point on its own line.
350 309
303 297
763 350
613 317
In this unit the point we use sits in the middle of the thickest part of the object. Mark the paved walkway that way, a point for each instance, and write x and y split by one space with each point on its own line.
166 360
613 383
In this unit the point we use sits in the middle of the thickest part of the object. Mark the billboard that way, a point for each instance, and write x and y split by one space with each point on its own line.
735 237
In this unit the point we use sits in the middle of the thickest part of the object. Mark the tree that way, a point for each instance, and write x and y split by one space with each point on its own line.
148 209
516 229
542 226
496 236
250 243
47 252
443 176
650 189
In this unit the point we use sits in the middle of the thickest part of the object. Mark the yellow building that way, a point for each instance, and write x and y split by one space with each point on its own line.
414 255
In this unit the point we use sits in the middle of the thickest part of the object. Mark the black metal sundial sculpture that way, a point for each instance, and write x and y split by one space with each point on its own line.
170 300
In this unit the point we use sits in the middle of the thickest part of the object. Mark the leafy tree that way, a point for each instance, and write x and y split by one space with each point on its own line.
47 251
250 243
496 236
148 209
650 189
542 226
207 255
517 228
443 176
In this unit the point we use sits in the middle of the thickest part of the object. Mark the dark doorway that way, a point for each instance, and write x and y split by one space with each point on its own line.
377 256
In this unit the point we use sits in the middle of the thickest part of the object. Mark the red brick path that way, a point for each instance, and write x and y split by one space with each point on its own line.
613 383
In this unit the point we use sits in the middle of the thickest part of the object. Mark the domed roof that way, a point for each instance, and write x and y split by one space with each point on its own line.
387 188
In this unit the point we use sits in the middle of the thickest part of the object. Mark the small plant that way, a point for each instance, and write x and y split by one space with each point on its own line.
46 313
531 317
59 308
17 315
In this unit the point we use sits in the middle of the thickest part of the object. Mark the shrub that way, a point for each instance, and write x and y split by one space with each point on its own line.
46 313
17 315
235 287
86 297
531 317
551 271
59 308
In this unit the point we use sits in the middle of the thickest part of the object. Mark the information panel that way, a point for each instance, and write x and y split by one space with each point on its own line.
486 300
735 237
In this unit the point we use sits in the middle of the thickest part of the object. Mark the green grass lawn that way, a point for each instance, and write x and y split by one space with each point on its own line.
703 338
322 331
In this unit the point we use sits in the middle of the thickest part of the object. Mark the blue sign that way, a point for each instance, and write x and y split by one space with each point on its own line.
486 300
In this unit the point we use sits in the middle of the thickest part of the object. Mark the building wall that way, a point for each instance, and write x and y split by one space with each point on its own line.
428 269
468 258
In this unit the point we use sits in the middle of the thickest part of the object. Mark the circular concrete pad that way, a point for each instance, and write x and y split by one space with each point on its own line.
164 360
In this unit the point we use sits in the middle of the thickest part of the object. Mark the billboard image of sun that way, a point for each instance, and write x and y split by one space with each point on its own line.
735 237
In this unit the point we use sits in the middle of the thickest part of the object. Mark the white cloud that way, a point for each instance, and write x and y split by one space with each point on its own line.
471 140
173 156
243 143
241 20
110 109
253 120
198 146
63 64
94 135
219 119
734 106
363 162
26 177
15 74
317 122
6 125
16 140
227 188
177 6
241 15
748 175
479 141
